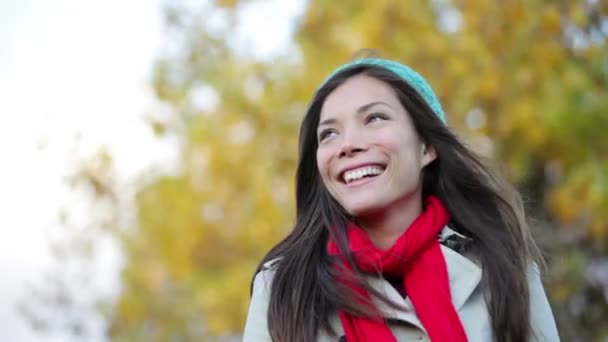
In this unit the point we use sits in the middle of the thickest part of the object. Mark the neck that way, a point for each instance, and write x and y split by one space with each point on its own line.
386 226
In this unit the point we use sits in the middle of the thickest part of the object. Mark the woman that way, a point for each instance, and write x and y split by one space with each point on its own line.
401 233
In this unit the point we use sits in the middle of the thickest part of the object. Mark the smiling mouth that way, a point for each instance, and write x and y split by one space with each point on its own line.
362 172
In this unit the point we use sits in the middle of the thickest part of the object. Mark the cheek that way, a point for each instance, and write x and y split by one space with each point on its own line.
399 139
323 162
392 142
404 148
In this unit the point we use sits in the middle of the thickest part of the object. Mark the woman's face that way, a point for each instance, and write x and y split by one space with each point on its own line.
370 156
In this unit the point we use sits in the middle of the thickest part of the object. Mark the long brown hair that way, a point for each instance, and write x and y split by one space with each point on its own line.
485 208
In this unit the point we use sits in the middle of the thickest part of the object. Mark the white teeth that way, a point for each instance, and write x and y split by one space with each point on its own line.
353 175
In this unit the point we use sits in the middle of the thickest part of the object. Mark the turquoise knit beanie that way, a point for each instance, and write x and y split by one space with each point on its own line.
406 73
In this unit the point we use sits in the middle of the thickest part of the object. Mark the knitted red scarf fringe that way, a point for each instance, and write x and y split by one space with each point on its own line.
417 257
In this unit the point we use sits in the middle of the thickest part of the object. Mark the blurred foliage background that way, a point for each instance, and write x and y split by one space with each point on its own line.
523 82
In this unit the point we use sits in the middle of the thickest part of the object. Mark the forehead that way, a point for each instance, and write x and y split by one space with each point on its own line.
356 92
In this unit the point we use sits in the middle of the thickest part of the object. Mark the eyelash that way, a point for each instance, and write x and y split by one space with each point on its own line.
325 133
374 116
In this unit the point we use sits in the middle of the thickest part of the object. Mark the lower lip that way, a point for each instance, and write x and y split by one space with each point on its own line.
362 181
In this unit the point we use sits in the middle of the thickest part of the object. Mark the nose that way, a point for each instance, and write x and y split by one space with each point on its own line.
351 145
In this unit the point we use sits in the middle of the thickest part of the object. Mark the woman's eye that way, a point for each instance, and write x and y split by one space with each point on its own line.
376 117
326 134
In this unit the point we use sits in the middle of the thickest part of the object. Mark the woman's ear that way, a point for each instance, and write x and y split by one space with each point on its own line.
428 154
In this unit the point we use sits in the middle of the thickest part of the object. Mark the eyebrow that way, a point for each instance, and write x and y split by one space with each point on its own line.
361 109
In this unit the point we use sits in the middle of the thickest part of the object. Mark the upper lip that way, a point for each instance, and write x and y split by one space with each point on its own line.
357 166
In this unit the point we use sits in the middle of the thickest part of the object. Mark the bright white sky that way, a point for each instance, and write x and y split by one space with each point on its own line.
73 68
67 68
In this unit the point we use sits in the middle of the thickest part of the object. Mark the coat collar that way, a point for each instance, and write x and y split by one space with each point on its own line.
464 276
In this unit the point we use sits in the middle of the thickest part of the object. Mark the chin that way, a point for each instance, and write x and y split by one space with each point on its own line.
363 209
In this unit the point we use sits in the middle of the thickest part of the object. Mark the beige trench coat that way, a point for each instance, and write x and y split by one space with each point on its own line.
464 277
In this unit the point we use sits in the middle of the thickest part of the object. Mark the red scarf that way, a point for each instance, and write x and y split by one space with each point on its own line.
417 257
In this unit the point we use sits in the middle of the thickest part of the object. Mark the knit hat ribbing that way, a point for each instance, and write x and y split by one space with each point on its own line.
404 72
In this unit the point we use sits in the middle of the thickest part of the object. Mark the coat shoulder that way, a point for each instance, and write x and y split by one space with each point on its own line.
256 325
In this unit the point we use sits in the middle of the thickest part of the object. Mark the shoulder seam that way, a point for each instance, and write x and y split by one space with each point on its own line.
268 265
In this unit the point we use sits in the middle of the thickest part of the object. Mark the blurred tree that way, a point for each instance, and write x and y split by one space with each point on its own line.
524 82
